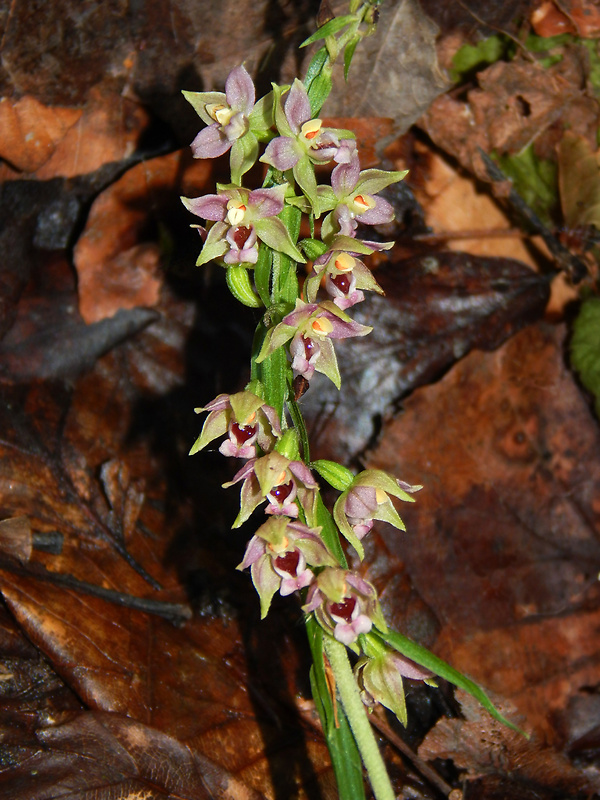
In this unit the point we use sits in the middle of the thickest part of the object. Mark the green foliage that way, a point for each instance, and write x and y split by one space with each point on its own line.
535 179
473 58
585 347
342 747
425 658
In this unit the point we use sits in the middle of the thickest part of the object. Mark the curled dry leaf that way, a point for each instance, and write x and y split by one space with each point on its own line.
435 310
503 543
524 769
32 131
115 269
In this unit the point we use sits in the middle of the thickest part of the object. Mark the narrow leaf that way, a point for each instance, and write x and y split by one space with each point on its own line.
329 29
421 655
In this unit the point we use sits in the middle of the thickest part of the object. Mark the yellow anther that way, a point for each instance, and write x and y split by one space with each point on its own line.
281 478
220 113
251 418
364 202
322 326
380 496
344 263
236 212
311 128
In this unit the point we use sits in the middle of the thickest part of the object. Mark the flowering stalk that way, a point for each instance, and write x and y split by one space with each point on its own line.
255 236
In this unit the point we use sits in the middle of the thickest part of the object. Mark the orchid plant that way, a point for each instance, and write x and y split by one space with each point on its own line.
254 234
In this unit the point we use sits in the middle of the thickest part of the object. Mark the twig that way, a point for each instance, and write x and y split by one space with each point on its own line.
565 259
421 766
175 612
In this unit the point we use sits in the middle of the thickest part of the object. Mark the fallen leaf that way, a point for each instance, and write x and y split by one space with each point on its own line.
32 131
394 73
483 749
436 309
579 181
115 269
503 540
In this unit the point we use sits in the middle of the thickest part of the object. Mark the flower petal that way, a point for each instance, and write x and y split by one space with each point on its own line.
275 235
267 202
210 143
380 214
282 153
215 245
209 206
199 101
239 90
297 106
345 176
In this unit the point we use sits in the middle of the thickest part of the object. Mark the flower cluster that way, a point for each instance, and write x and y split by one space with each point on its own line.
289 552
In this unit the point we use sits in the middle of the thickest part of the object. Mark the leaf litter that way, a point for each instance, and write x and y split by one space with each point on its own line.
496 572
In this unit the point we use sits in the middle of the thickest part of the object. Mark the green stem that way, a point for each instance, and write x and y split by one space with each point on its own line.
357 717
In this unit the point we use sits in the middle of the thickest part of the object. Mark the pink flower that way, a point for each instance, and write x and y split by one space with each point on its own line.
352 198
312 327
367 499
279 554
247 420
344 604
233 120
241 217
280 481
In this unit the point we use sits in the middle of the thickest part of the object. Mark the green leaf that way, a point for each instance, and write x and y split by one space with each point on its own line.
244 153
329 29
335 474
275 235
474 58
329 532
262 273
313 248
585 347
535 181
273 373
316 85
349 53
315 67
421 655
345 758
319 92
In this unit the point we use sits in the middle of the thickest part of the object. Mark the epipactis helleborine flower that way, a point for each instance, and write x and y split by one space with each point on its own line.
304 141
351 198
311 327
240 216
279 555
246 418
344 604
380 678
345 274
234 122
366 500
279 480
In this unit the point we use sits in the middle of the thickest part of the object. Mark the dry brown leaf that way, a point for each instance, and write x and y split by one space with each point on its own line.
579 181
480 746
31 131
394 73
115 269
503 539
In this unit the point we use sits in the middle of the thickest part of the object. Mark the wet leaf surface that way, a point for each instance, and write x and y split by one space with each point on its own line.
132 660
502 546
436 309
